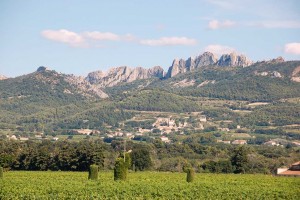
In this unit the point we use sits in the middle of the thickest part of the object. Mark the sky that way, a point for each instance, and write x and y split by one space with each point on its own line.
78 37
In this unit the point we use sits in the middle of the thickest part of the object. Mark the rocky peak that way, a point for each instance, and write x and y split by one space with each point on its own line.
93 77
232 59
277 60
206 59
117 75
182 66
156 71
42 69
178 67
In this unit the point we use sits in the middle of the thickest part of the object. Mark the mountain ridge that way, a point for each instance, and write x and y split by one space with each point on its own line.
199 75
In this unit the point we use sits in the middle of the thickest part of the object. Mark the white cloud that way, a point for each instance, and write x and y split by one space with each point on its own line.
169 41
215 24
219 49
87 38
292 48
95 35
65 36
276 24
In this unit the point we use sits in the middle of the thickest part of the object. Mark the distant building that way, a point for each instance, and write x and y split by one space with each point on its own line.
224 141
224 129
296 143
86 131
293 170
239 142
165 139
13 137
271 143
55 139
23 138
203 118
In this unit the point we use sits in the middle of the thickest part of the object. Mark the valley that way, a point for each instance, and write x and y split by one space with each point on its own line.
213 107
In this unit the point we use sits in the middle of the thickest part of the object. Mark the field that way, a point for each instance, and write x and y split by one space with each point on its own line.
145 185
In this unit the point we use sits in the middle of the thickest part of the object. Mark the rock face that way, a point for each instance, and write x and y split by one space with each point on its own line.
84 87
230 60
123 74
182 66
278 60
206 59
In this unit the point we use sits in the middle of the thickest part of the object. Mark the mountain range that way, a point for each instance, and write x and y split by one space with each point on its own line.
209 72
203 84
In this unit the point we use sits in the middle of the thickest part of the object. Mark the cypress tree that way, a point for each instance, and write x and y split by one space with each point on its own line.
93 172
120 170
1 172
190 175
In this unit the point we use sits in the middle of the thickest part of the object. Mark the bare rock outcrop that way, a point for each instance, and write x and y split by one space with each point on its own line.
232 60
180 66
84 87
125 74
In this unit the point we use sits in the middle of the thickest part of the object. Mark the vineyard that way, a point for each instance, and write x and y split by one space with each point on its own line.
145 185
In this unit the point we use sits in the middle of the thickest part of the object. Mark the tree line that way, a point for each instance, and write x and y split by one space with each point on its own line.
156 155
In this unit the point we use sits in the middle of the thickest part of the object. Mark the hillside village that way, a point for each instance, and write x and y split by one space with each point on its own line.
164 128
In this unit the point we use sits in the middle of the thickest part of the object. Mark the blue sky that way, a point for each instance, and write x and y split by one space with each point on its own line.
83 36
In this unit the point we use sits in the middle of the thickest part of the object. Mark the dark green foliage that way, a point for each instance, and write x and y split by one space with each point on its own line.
175 157
147 124
239 159
127 160
140 158
190 175
221 166
120 170
93 172
65 155
1 172
158 100
277 113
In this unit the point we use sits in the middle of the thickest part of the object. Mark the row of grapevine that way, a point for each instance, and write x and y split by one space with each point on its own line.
145 185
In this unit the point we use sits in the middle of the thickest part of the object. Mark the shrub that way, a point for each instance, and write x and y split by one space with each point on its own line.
93 172
120 170
190 175
1 172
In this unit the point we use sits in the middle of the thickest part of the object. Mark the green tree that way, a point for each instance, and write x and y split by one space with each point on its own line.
239 159
141 159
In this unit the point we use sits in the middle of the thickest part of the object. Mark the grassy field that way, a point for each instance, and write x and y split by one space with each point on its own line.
146 185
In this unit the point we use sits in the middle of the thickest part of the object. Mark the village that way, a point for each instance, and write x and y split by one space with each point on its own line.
163 128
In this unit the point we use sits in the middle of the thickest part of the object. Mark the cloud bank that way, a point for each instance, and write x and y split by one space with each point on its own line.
64 36
292 48
85 39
